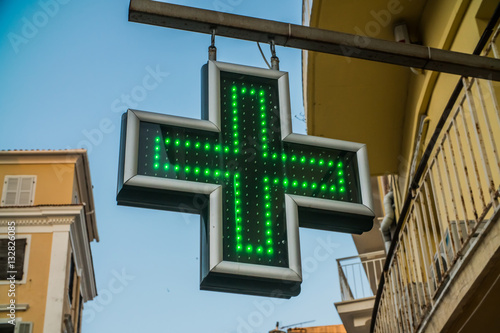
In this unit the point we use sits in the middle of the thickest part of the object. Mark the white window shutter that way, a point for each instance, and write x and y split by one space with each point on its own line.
18 191
24 327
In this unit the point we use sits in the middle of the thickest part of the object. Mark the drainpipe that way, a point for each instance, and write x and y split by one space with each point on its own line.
385 226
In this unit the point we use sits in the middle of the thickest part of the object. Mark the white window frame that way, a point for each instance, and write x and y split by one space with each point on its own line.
26 259
18 190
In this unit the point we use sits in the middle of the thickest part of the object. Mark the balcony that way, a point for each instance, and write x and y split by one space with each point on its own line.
359 278
441 268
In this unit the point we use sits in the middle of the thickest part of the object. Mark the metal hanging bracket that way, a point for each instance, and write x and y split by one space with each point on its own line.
275 61
212 50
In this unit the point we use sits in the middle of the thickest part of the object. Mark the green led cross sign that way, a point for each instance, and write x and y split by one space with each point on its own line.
253 181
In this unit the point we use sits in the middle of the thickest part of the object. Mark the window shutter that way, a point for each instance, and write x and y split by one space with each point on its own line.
19 264
19 191
24 327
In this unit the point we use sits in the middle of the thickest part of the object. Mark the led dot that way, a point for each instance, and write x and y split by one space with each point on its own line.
157 139
236 151
249 248
266 179
264 146
264 130
341 181
332 188
263 123
265 154
188 143
269 241
157 156
321 162
266 188
235 96
261 93
235 104
236 142
283 157
340 173
217 147
235 119
262 108
226 149
235 127
252 92
196 170
238 237
304 184
294 158
166 166
267 197
157 148
342 189
177 167
207 146
243 90
330 163
167 141
260 249
227 174
177 142
268 232
156 165
235 111
262 115
262 100
313 160
264 138
323 187
285 182
295 183
197 145
275 156
268 214
268 223
270 251
268 205
239 247
187 169
339 165
234 88
314 185
303 159
276 180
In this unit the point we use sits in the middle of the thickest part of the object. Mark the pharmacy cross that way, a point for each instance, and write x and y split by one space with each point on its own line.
251 179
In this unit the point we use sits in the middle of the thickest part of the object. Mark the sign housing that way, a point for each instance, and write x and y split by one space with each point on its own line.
251 179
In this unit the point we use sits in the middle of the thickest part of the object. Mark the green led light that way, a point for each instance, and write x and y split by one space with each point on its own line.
267 196
330 163
264 130
265 154
187 169
207 146
268 232
304 184
339 165
260 249
266 188
303 159
226 149
235 96
235 134
285 182
236 151
321 162
166 166
323 187
197 145
294 158
177 142
235 104
217 173
283 157
227 174
270 250
342 189
266 179
234 88
236 142
332 188
312 161
263 123
249 248
341 181
263 115
252 92
275 156
268 223
268 214
295 183
261 93
156 165
263 108
243 90
264 146
157 139
157 156
235 127
314 185
188 143
264 138
239 247
237 192
196 170
167 141
276 180
268 205
157 148
269 241
217 147
340 173
262 100
235 119
177 167
235 111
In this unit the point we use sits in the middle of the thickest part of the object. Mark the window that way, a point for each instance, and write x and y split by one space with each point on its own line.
71 281
19 255
18 190
20 327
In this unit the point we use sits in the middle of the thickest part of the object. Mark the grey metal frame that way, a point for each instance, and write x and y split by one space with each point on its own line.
216 263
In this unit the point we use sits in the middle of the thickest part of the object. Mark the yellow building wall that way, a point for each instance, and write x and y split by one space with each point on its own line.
34 291
54 184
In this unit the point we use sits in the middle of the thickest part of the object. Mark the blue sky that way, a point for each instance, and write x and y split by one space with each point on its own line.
67 68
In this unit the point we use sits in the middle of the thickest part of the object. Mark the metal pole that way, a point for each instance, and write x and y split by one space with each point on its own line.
312 39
